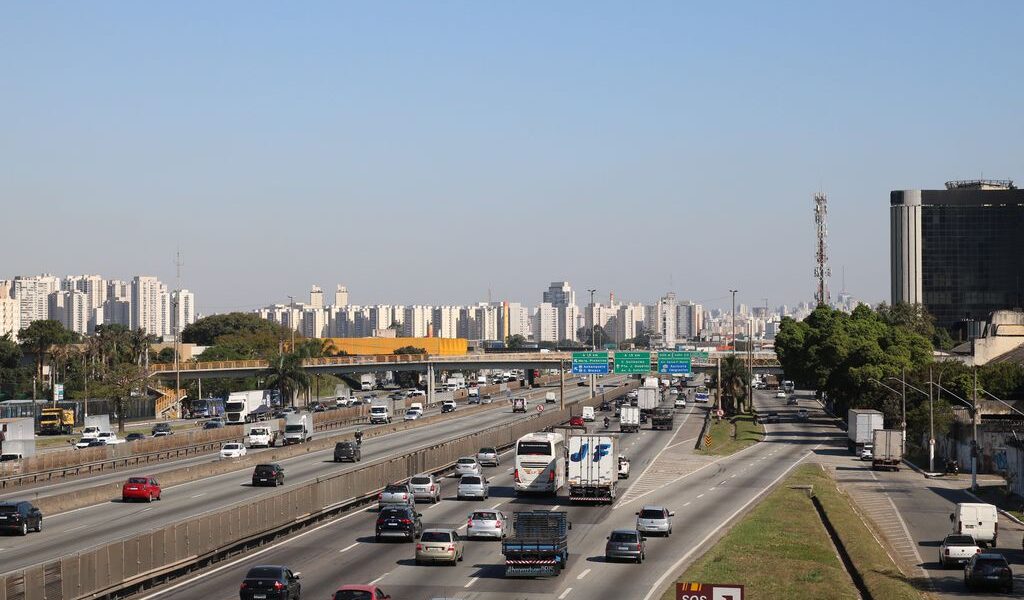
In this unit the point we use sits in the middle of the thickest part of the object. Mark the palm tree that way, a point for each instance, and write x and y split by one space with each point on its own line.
734 383
139 341
286 375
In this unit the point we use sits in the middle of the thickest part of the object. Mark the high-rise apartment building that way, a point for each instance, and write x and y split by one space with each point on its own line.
33 295
10 317
316 297
71 308
545 323
341 296
629 319
150 306
689 320
117 309
416 320
183 311
445 320
958 251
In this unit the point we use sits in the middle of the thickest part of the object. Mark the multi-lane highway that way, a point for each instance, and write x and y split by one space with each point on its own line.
705 492
79 529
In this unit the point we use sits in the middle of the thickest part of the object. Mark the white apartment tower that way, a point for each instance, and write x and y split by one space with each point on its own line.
341 296
150 306
545 323
71 308
10 317
316 297
33 296
184 310
445 321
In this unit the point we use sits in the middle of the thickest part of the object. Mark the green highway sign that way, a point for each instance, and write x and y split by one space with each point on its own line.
632 362
590 363
674 363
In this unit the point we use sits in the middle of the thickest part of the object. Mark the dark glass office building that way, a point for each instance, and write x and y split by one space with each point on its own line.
959 251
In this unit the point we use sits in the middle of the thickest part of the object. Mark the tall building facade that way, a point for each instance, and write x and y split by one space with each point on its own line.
183 311
10 317
33 296
958 251
150 306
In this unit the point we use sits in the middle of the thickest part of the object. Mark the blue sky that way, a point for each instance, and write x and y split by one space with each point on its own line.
425 152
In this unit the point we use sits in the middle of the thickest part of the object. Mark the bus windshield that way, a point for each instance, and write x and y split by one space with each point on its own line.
533 448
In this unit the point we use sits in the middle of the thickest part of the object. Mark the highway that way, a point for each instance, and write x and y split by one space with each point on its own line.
82 528
30 491
706 492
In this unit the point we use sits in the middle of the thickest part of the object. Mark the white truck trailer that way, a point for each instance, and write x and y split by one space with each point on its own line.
860 426
593 468
887 451
648 398
629 418
242 407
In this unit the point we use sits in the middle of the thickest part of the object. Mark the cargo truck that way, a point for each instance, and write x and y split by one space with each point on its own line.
648 398
56 421
297 429
539 545
593 468
94 424
366 382
662 418
629 419
861 423
264 435
246 407
887 449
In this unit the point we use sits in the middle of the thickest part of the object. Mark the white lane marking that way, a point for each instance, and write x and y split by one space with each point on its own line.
555 507
687 504
347 548
496 506
564 594
583 574
379 578
712 489
699 496
722 482
183 583
198 495
470 582
145 509
903 524
656 589
75 528
733 475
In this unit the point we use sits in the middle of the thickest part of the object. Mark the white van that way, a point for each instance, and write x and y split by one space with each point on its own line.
380 414
588 413
416 406
978 520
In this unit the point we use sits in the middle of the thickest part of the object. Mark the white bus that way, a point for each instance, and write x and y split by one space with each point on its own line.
540 463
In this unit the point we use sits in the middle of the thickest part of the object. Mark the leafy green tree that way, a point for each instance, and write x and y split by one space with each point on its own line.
515 342
286 375
588 336
120 384
206 331
13 377
38 337
410 350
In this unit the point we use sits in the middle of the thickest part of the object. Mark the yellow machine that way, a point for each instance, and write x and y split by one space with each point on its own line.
56 421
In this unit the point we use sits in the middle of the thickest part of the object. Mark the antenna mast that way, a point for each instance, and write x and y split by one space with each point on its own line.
821 270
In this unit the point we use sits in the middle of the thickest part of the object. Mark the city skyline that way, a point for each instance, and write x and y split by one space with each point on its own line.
451 164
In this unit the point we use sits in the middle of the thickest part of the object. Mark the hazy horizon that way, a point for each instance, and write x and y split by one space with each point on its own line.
425 153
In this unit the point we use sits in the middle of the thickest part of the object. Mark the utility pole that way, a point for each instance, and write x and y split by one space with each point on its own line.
903 426
593 342
974 442
931 425
821 270
177 332
561 385
734 321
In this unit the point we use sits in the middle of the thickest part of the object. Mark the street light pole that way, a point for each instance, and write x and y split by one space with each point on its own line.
903 449
734 321
975 447
593 321
931 425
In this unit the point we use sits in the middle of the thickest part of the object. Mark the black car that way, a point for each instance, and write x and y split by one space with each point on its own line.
162 428
988 570
268 474
605 406
213 424
270 582
347 451
97 443
398 521
134 437
20 517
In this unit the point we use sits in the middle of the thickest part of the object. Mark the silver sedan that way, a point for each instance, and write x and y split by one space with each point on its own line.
467 465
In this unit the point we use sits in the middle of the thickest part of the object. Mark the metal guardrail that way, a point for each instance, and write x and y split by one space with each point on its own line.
128 563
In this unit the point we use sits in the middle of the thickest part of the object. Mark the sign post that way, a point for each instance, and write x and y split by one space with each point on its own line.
632 362
590 363
58 392
708 591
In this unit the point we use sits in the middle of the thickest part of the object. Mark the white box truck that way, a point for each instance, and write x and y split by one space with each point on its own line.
648 398
242 407
629 418
94 424
367 381
380 414
264 435
861 424
593 468
978 520
887 449
298 429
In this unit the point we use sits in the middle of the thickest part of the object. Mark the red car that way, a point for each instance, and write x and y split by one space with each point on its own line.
360 592
140 488
576 421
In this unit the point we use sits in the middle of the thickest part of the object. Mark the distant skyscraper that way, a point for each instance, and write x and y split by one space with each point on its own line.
445 321
545 323
560 294
150 306
316 297
33 296
10 317
183 313
341 296
71 308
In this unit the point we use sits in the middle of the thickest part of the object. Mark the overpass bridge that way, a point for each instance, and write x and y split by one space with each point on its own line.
763 362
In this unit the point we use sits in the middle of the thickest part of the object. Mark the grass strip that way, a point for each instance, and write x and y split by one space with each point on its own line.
748 431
